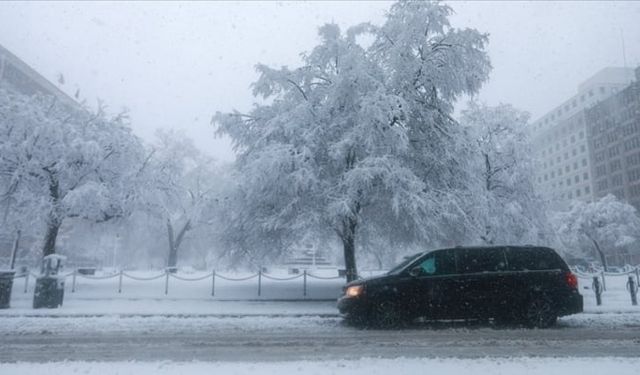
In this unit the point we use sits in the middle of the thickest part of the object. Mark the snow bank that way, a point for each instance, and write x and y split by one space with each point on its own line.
364 366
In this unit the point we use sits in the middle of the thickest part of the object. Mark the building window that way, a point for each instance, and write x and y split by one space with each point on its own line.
570 195
567 169
573 139
601 170
581 134
615 165
602 185
583 148
616 180
585 176
634 175
577 192
587 190
568 182
575 165
546 177
576 179
584 162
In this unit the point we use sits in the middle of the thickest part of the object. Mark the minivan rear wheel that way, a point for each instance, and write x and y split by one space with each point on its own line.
540 313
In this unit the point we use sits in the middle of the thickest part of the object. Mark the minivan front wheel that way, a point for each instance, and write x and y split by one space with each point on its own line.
386 315
540 313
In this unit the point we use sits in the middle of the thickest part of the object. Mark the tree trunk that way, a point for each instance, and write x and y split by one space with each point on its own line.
14 251
349 247
602 257
174 242
53 226
53 221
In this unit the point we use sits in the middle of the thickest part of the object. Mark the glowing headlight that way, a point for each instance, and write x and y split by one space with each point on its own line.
354 291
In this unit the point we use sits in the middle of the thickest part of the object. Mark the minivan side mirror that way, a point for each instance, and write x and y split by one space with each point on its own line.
415 271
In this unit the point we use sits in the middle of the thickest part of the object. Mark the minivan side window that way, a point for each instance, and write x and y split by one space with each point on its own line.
438 263
481 260
533 259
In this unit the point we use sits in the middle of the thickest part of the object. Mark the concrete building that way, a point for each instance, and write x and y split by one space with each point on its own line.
561 142
17 76
613 130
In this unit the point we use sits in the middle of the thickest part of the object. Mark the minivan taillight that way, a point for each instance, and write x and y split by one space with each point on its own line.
572 280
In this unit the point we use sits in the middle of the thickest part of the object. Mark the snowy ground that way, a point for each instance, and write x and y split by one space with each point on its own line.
246 333
363 366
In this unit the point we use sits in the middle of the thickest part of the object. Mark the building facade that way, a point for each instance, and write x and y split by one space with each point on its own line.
560 138
613 130
17 76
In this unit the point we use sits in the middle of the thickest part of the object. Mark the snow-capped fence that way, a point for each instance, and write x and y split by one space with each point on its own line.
630 278
167 275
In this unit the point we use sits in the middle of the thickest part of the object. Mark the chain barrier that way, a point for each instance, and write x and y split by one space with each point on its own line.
137 278
191 279
324 278
167 275
238 279
281 278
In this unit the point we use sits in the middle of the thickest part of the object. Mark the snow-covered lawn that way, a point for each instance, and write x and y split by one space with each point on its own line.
363 366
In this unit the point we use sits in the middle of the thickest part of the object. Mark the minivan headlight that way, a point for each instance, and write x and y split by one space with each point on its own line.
354 291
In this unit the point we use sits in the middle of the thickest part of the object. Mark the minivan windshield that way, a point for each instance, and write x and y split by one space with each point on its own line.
403 265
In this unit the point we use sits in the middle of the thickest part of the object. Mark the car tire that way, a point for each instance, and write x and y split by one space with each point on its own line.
540 313
386 315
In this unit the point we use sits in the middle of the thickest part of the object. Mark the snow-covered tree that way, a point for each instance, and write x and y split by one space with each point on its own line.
506 207
359 136
68 162
180 188
603 225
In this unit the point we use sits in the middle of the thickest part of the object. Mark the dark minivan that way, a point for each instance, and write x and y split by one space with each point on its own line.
511 284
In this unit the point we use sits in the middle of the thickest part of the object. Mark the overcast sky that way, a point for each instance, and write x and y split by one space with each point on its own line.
175 64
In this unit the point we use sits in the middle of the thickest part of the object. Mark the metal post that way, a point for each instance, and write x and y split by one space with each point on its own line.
637 275
73 281
259 282
304 283
166 282
632 287
597 289
26 281
120 282
604 283
213 283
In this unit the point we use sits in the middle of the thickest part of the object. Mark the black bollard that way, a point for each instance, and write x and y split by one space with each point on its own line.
633 291
597 289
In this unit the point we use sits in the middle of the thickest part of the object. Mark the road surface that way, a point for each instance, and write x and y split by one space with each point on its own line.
269 338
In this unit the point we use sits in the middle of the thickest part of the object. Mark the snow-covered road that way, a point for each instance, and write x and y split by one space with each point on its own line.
267 338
